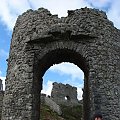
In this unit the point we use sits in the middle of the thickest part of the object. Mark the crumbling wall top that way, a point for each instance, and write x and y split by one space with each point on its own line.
41 26
64 94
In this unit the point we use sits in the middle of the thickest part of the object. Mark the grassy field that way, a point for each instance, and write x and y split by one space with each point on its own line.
68 113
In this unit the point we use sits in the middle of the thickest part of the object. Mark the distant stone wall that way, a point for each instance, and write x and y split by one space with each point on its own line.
61 94
1 102
64 94
1 85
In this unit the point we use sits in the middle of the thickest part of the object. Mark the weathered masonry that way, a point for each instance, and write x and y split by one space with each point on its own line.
1 97
64 94
86 38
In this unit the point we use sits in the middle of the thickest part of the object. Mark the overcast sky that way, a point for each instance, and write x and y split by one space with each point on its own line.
9 11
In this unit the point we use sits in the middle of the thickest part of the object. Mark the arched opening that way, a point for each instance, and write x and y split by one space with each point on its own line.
56 57
69 80
66 73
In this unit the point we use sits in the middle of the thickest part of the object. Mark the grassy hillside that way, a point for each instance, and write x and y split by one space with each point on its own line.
48 114
69 113
72 113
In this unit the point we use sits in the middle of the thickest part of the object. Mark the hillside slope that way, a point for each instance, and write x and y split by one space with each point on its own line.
68 113
48 114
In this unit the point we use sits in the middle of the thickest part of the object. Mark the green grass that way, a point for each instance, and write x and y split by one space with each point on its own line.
72 113
47 114
68 113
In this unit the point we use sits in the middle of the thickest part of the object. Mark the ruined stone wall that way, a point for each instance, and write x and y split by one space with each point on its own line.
1 85
1 102
1 97
86 38
64 94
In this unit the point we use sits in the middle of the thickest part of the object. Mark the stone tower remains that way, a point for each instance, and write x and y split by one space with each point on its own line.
64 94
1 97
1 85
86 38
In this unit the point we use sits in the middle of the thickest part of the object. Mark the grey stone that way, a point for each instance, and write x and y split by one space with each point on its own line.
1 85
54 107
64 94
86 38
1 102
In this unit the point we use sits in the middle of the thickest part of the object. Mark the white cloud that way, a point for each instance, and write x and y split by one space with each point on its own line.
111 8
114 13
12 8
5 15
100 3
3 81
80 93
60 7
47 88
68 69
17 7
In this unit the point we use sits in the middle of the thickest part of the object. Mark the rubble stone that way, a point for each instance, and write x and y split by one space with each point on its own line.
86 38
64 94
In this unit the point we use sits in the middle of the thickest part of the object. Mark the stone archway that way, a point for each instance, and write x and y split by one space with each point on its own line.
58 56
86 38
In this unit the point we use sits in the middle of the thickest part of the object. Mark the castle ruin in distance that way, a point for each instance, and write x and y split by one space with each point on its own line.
86 38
